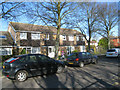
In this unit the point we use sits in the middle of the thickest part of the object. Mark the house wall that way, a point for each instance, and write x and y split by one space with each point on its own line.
18 38
116 42
11 31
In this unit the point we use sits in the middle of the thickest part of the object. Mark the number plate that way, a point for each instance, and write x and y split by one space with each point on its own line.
110 54
70 63
3 67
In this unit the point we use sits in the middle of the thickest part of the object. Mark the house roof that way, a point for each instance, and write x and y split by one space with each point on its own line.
7 40
43 29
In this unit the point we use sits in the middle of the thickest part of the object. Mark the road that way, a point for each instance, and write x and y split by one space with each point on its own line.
103 75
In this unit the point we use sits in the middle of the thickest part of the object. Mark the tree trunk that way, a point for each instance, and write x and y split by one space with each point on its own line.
88 46
58 32
108 36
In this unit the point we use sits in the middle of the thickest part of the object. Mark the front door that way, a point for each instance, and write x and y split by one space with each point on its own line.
51 52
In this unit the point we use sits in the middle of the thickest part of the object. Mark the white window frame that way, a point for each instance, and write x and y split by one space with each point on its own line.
64 37
37 50
36 37
7 50
77 38
83 38
25 36
47 37
71 38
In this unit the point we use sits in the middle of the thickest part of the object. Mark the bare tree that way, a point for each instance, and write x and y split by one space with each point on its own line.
11 10
85 20
108 14
52 14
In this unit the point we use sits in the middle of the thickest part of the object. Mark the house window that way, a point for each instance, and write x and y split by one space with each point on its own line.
82 38
23 35
28 50
64 37
54 37
50 50
5 51
47 37
35 50
77 38
71 38
35 36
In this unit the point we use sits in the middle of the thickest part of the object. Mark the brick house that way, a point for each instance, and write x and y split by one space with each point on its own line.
6 43
115 41
41 39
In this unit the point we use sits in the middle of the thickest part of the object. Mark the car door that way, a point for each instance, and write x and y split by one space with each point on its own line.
84 57
89 57
32 65
45 63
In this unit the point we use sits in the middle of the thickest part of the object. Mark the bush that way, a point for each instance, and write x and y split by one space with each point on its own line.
74 51
23 51
5 57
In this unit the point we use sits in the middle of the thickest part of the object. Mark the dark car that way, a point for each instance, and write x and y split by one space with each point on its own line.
22 66
81 58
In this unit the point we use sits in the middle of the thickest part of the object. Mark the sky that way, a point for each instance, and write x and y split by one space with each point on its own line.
4 23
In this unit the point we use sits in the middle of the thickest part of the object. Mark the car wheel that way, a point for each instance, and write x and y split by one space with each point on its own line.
21 76
81 64
60 69
94 61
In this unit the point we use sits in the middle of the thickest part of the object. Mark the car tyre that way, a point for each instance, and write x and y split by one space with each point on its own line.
60 69
95 61
21 76
81 64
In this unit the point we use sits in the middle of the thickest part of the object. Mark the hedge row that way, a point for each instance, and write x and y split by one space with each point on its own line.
5 57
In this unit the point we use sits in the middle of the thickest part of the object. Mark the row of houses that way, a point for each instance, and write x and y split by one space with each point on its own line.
39 39
42 39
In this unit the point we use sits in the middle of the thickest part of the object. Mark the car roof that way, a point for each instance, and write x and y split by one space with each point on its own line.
81 52
26 55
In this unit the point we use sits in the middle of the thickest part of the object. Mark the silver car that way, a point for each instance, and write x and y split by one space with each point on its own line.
112 53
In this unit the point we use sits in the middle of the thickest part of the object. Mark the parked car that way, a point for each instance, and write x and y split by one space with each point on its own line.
23 66
113 52
81 58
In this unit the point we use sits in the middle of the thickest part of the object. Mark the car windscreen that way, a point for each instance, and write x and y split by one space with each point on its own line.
113 50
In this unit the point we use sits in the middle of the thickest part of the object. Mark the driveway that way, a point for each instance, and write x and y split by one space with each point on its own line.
103 75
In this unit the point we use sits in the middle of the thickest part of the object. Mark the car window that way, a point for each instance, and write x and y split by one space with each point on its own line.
73 55
111 50
32 58
22 59
42 58
84 55
88 54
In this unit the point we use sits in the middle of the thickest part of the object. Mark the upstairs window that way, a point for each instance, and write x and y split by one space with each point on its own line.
47 37
82 38
35 36
64 37
71 38
54 37
2 37
35 50
23 35
77 38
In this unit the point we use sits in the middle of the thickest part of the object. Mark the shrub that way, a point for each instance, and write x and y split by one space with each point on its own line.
74 51
23 51
5 57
